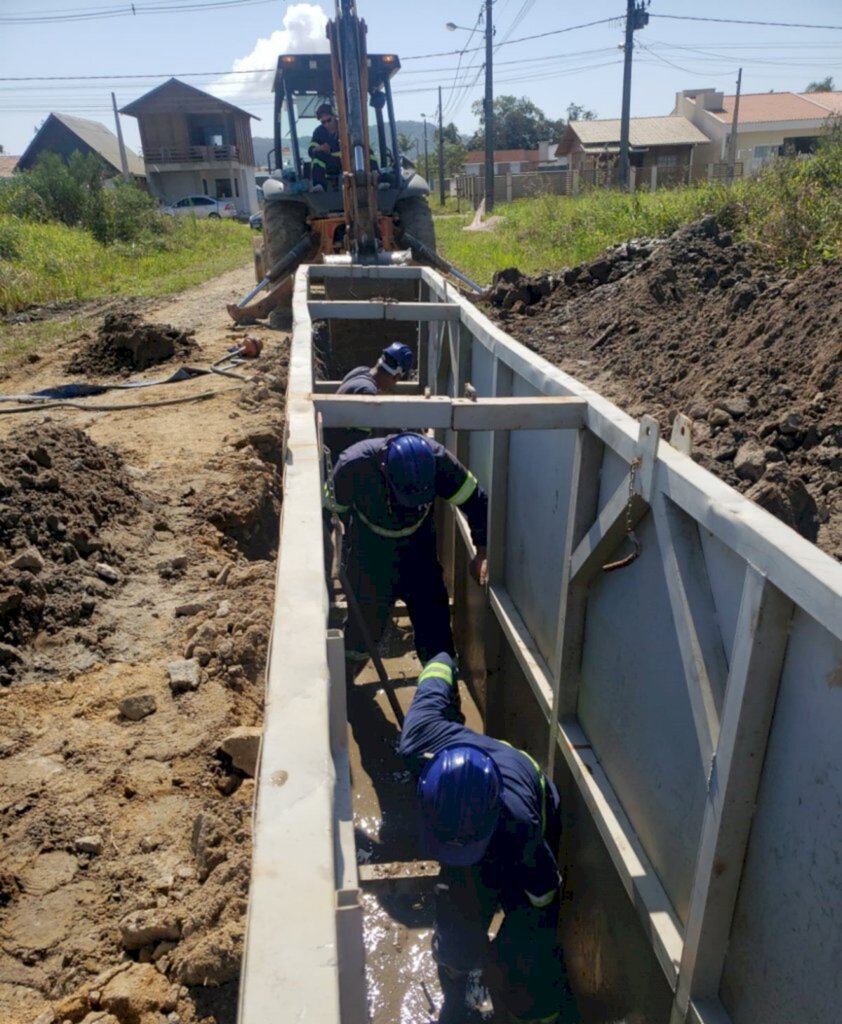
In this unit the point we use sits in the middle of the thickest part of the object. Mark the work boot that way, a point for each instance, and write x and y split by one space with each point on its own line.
453 989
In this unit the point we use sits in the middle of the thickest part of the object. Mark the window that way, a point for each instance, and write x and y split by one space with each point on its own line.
667 160
223 188
762 155
203 201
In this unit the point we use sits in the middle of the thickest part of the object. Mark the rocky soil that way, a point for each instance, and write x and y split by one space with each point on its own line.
136 581
694 324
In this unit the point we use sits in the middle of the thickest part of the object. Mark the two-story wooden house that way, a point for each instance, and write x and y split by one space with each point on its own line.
195 144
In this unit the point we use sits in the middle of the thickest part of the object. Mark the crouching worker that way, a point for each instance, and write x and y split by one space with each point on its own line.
384 490
491 818
394 364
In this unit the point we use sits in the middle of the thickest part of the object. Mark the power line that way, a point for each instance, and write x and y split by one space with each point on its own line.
126 10
741 21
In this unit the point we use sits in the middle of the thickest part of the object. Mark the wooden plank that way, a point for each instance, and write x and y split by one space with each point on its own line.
398 871
348 309
498 486
694 620
757 661
582 507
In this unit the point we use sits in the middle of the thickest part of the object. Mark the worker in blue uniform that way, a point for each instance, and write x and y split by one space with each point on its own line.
491 818
384 490
394 364
324 149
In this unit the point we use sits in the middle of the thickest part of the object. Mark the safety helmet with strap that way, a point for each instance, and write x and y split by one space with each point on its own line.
396 359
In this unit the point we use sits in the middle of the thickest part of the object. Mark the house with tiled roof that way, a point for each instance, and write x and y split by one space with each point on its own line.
660 149
506 161
64 134
769 124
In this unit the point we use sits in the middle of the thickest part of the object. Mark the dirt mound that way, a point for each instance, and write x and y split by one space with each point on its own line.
125 343
58 492
695 324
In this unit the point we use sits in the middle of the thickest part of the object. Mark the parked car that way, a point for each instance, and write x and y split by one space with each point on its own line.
202 206
256 221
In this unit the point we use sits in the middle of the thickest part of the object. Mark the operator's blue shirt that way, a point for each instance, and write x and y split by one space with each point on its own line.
518 861
359 489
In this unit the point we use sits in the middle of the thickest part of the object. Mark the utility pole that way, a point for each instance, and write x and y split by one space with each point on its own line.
636 18
732 142
124 160
441 153
489 112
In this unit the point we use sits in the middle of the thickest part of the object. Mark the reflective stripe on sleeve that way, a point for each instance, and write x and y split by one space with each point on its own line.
541 901
318 163
437 670
465 491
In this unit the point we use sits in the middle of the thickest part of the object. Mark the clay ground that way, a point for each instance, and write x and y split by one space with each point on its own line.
134 539
131 540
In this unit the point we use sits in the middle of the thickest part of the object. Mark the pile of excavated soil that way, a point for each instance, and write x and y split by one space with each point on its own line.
136 598
58 494
125 343
694 324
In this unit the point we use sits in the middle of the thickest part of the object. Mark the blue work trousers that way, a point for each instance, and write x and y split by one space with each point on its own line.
380 571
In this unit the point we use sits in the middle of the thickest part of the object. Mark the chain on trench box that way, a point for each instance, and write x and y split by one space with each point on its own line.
632 536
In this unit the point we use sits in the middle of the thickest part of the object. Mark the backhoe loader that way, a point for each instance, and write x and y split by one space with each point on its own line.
376 209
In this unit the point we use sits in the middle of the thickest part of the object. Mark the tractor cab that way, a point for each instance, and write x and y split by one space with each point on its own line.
303 82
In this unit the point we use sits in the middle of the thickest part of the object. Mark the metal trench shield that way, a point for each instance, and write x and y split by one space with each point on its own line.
688 704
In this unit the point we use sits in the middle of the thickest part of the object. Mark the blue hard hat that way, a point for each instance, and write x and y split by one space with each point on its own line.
410 469
396 359
459 797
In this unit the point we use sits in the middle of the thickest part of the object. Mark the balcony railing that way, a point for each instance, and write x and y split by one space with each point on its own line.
191 154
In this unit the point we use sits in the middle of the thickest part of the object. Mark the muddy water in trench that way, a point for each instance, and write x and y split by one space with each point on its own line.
399 904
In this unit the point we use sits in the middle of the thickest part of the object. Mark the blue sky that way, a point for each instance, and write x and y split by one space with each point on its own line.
553 69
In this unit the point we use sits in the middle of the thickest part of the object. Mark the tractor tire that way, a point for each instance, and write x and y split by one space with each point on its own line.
416 218
283 225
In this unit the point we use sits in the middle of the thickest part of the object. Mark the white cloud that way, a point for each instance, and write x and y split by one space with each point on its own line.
303 32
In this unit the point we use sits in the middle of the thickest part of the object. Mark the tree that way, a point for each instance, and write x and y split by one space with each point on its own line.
405 143
576 112
825 85
518 124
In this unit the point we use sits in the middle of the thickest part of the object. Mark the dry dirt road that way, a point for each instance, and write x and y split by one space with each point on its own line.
136 590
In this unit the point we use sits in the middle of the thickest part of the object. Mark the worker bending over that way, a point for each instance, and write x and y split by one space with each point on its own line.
394 364
384 490
491 818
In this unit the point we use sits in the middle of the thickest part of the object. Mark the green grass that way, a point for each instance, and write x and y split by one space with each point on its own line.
52 263
41 263
792 212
